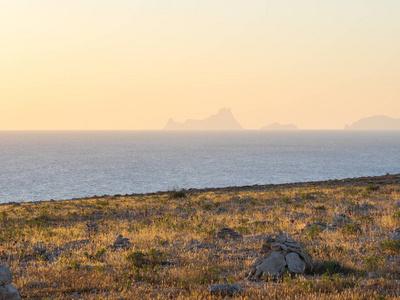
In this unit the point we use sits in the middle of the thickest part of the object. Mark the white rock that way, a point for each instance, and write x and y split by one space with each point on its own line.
272 266
295 264
5 275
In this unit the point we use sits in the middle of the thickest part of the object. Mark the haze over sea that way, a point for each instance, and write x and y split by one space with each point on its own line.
45 165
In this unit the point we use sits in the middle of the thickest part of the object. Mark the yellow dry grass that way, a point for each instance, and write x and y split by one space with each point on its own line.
160 266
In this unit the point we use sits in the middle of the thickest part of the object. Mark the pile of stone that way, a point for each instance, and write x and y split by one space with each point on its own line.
121 243
7 290
279 253
227 232
396 235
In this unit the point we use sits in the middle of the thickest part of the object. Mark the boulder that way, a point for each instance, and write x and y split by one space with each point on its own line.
5 275
294 263
274 265
9 292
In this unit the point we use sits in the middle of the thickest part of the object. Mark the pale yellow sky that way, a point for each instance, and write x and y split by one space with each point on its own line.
130 64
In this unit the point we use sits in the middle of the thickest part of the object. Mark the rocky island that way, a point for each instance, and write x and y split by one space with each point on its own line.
375 123
223 120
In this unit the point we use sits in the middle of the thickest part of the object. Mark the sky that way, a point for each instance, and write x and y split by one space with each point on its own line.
133 64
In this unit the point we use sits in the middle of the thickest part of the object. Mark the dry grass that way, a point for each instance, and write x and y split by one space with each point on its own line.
160 266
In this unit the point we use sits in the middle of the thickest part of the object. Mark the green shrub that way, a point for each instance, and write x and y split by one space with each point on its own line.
136 258
76 266
331 267
206 206
372 188
243 230
140 259
314 231
396 215
320 207
373 262
101 204
307 196
177 194
352 191
366 219
349 229
392 246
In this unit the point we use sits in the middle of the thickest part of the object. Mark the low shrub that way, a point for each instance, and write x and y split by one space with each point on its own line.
372 188
177 195
349 229
392 246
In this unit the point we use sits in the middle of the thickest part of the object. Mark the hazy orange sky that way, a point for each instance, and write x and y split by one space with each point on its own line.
130 64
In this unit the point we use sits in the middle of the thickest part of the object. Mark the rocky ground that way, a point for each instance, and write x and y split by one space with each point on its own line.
322 240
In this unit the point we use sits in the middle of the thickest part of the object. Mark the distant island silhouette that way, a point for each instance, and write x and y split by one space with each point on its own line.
375 123
277 126
223 120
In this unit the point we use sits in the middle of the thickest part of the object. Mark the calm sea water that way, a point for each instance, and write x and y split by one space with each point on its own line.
62 165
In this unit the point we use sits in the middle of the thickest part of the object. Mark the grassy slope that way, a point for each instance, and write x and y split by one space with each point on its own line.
159 232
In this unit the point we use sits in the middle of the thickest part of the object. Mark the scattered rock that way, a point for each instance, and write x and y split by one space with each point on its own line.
76 295
221 210
121 242
40 248
76 245
184 215
339 221
201 245
7 290
396 235
362 209
92 228
298 215
37 284
246 200
227 232
226 289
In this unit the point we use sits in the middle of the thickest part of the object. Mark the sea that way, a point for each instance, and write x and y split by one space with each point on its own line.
45 165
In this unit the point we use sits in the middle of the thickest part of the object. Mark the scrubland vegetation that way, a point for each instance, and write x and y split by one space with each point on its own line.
68 249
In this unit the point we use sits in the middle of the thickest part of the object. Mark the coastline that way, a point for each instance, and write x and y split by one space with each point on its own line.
183 243
346 182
